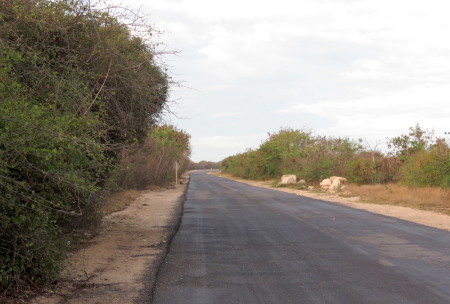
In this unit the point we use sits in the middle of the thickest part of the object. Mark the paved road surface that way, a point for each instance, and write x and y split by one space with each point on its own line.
242 244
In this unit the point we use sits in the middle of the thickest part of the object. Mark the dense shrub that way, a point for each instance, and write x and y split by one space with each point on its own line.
371 168
414 159
83 60
77 86
293 152
50 169
429 167
247 165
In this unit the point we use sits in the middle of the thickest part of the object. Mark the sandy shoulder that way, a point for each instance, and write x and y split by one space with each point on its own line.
120 263
427 218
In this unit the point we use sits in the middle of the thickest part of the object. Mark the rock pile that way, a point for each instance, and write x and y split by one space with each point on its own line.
333 183
329 185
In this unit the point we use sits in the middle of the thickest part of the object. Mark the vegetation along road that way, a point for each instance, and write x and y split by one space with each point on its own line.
242 244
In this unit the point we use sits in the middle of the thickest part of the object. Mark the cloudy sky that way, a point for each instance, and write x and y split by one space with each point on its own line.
358 68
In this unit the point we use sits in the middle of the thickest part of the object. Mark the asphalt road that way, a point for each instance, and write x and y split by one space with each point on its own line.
242 244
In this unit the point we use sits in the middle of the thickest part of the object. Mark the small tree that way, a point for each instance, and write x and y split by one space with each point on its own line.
416 140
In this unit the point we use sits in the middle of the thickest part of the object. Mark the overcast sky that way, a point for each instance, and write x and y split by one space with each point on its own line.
363 69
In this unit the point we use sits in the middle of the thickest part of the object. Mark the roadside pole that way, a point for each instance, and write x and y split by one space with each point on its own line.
176 173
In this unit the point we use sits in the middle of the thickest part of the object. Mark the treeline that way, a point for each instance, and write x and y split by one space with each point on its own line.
201 165
413 159
81 91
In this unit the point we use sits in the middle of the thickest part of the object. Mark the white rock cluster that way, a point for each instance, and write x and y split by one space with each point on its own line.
333 183
291 179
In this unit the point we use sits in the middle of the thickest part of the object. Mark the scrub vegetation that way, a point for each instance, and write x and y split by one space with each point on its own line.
81 92
415 159
202 165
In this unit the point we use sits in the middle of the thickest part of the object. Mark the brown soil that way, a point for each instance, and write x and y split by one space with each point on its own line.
120 263
427 218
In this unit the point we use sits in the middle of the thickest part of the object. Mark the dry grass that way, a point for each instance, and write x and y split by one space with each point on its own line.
431 198
119 201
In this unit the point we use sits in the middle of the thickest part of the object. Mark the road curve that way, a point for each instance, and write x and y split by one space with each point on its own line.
242 244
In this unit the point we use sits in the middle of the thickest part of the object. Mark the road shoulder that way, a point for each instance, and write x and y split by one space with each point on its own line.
119 265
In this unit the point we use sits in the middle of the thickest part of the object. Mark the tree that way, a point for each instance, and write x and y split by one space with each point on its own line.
416 140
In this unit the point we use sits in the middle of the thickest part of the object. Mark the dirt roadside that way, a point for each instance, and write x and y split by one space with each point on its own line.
427 218
119 265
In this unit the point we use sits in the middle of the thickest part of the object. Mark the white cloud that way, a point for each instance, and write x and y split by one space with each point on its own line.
226 114
365 68
216 148
375 118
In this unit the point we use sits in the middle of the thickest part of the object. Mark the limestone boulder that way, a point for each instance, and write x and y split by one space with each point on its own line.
342 179
336 183
288 179
325 184
333 184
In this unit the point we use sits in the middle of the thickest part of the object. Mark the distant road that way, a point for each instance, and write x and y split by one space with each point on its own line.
242 244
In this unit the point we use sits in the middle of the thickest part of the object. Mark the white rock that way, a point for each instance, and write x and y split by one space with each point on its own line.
325 184
288 179
342 179
301 182
310 188
336 183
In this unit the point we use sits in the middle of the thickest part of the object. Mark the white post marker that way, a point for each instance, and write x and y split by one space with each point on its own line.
176 173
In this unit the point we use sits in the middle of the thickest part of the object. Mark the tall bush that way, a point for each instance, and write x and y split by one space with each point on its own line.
428 167
77 85
51 167
84 60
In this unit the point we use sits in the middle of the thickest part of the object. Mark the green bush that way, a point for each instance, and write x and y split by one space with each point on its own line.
76 88
50 167
427 167
413 159
293 152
